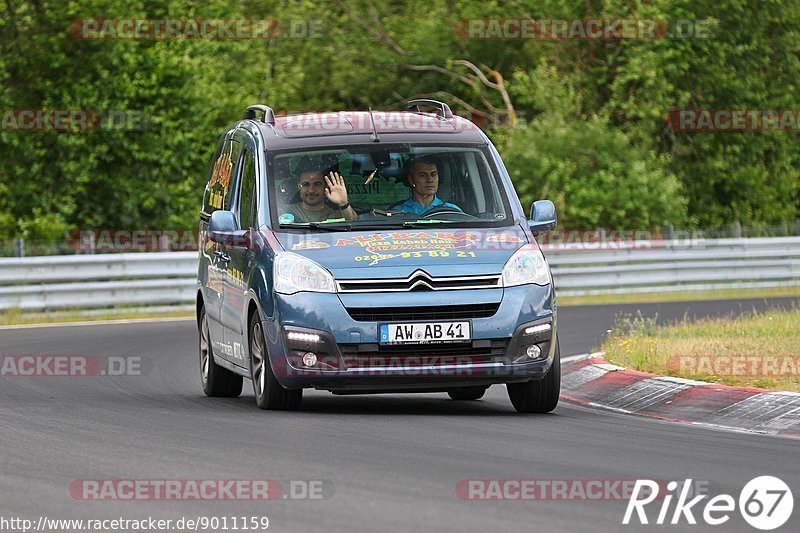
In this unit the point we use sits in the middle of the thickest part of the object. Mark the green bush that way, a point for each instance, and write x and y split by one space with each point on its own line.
593 173
594 139
43 226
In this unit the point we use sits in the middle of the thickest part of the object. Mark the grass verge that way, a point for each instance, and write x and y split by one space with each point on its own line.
15 317
723 294
759 350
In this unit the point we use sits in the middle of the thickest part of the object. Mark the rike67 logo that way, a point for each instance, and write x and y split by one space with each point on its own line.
765 502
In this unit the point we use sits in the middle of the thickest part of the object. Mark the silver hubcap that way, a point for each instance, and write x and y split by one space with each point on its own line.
204 351
257 353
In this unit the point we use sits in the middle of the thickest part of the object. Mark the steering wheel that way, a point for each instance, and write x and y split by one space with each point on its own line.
440 209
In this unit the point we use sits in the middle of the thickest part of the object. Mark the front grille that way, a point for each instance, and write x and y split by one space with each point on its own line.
420 281
433 312
388 356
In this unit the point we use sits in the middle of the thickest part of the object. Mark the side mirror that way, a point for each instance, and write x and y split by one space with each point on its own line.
222 228
543 217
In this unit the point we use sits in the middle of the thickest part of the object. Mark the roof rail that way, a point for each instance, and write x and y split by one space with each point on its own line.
269 114
444 109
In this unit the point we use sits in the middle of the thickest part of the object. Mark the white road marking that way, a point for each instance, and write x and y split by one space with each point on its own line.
580 356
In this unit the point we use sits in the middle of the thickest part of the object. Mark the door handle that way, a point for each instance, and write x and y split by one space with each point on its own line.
222 256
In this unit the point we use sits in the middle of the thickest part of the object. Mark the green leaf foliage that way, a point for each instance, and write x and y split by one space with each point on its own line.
582 122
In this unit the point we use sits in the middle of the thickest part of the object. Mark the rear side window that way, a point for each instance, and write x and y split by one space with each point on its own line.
218 191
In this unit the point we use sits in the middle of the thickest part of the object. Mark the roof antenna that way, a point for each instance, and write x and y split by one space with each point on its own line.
374 135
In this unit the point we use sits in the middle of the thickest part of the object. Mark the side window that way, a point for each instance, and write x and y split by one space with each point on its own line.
218 191
245 212
207 208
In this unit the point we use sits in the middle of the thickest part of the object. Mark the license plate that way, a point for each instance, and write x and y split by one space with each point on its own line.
425 332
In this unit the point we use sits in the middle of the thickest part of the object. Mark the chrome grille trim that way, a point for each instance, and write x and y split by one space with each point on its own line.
420 280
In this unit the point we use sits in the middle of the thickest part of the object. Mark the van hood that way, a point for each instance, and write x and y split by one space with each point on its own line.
398 253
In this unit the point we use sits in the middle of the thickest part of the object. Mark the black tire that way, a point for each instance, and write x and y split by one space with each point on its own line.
217 381
269 393
540 396
467 393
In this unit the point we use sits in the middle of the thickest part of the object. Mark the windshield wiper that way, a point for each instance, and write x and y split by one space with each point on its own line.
327 226
349 226
424 222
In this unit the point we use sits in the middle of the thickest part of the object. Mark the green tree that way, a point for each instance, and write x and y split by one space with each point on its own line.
581 121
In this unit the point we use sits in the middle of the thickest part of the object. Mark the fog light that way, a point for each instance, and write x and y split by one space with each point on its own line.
533 351
309 359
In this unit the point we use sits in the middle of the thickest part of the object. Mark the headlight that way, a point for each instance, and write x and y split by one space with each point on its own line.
295 273
527 265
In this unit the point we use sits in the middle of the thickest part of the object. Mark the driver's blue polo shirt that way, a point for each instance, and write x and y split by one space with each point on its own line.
410 206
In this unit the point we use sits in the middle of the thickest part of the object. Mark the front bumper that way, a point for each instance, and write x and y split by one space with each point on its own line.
350 358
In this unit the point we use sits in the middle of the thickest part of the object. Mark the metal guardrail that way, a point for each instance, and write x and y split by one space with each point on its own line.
95 281
119 280
670 266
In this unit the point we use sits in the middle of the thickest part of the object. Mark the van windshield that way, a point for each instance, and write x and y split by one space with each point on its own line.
368 186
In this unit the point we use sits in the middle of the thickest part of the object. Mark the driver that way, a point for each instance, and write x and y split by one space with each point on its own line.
423 178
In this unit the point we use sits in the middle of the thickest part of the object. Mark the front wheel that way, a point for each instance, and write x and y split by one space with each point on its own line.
540 396
269 393
217 381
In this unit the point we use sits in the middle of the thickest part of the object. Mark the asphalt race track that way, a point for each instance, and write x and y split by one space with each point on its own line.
389 463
